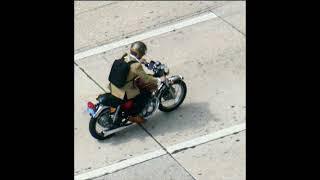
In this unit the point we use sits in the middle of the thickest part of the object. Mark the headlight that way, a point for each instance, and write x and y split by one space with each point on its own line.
166 69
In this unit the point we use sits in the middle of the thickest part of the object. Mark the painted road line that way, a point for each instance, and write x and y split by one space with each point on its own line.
204 17
120 165
171 149
206 138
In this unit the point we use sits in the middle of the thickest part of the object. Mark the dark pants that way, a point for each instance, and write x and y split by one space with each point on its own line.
140 102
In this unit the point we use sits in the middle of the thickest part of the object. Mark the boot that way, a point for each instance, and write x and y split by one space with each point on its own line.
136 119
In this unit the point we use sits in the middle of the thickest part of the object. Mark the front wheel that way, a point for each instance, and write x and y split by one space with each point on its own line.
169 102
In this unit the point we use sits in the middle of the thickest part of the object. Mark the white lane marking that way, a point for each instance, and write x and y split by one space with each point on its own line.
133 161
207 138
120 165
155 32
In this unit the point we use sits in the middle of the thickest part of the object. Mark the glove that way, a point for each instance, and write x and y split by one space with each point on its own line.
163 78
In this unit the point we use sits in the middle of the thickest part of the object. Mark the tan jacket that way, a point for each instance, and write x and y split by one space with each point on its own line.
136 71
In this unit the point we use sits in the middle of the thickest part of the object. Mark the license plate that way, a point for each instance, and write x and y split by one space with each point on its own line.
91 112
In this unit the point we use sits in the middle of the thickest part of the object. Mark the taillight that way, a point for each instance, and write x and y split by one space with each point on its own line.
90 105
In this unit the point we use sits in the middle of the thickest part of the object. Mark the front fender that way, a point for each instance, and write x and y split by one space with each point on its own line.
175 78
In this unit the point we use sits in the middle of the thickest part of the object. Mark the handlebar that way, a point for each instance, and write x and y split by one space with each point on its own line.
158 68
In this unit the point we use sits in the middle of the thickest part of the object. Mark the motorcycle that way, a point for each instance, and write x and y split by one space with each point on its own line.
110 115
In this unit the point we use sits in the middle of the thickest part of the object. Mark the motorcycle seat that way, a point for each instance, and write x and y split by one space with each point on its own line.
108 99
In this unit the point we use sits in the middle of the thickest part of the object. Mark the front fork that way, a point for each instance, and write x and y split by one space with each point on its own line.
171 81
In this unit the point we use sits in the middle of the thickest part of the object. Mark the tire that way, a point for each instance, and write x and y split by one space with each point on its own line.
184 93
94 133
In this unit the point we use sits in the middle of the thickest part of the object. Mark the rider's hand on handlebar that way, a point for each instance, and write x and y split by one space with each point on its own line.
163 78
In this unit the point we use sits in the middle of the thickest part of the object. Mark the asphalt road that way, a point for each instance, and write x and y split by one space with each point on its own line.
210 55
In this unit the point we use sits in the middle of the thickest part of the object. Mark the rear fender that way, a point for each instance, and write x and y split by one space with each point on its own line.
100 109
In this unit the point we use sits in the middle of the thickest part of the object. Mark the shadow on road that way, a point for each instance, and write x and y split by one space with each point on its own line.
187 117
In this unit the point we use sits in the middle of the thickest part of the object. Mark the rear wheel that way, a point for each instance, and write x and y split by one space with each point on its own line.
96 130
168 102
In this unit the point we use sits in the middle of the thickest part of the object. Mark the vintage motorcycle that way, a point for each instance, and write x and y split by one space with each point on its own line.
168 97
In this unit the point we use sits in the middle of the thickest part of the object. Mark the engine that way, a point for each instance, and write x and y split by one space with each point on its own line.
150 108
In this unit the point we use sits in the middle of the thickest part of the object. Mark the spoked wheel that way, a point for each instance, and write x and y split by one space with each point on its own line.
169 102
98 126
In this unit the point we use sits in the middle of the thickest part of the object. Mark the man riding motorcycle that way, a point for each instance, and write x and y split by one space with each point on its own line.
139 83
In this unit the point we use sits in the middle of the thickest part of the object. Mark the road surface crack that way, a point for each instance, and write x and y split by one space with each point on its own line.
229 24
89 77
167 151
